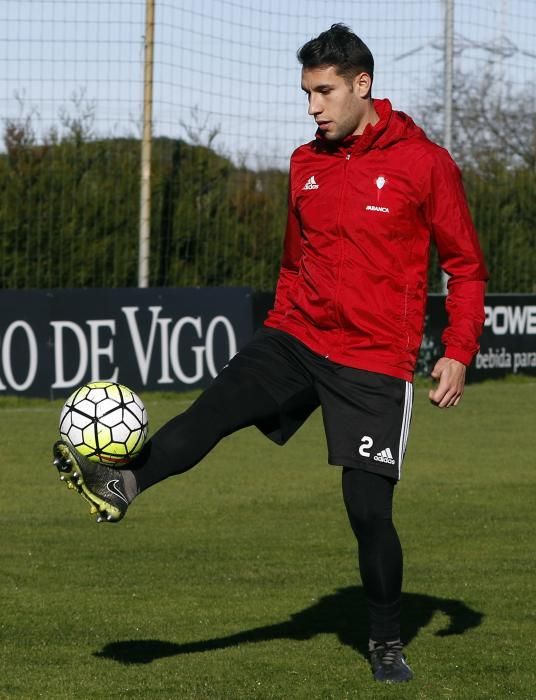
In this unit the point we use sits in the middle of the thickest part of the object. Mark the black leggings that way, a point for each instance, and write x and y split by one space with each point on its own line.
368 499
227 406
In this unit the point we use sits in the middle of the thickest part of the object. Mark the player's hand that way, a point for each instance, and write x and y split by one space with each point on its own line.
451 377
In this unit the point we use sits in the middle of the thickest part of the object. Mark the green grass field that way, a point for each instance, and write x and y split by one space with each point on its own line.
238 579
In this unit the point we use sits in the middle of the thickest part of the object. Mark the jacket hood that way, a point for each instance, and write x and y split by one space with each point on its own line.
392 126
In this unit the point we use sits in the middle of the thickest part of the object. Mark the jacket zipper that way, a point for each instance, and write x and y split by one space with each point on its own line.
341 245
406 295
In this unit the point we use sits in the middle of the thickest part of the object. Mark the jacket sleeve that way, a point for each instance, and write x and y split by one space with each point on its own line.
460 256
290 262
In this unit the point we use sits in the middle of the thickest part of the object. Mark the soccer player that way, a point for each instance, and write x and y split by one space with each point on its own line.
366 197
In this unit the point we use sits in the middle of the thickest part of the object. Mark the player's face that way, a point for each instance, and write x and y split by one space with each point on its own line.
337 105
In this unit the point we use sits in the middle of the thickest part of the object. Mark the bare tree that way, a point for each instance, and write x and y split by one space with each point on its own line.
492 120
198 129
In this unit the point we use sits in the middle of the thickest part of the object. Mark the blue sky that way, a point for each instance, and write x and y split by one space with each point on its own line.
230 64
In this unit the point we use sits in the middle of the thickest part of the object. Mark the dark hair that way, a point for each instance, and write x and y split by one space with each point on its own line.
338 47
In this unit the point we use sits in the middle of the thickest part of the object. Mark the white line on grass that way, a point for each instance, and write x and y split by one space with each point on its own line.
46 409
43 409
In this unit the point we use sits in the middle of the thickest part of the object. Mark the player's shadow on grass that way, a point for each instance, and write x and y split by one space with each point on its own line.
342 613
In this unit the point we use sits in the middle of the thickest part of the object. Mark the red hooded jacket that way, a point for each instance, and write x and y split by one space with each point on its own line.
362 212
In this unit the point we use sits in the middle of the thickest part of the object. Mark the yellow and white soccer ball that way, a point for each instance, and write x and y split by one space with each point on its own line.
105 422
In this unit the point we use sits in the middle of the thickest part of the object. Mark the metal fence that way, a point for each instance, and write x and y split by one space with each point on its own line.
227 113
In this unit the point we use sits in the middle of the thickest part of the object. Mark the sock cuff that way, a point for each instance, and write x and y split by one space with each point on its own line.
130 484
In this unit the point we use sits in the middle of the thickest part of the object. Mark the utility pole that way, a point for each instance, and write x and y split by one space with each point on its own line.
146 148
449 72
448 77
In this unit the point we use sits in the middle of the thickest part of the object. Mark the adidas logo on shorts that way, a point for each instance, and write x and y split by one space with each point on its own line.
385 456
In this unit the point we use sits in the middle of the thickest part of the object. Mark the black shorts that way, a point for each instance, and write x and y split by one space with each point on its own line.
366 414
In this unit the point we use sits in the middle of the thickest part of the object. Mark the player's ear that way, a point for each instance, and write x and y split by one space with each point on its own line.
362 84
